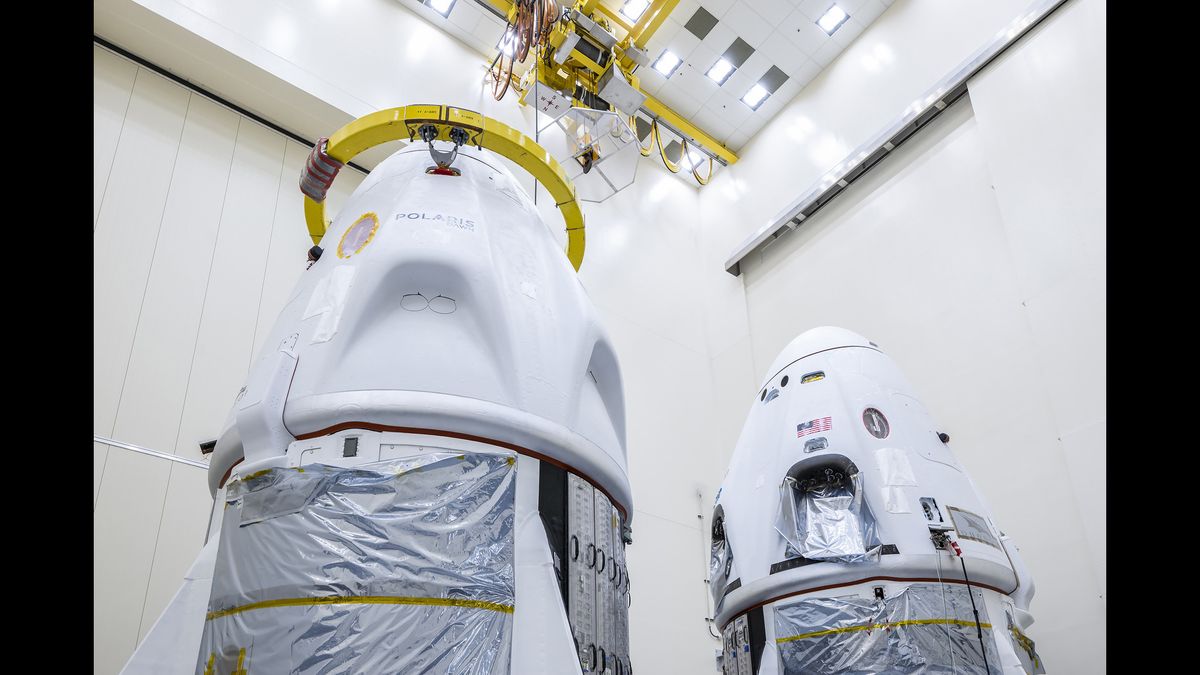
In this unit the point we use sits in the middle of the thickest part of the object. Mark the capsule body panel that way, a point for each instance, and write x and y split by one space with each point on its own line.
395 480
840 484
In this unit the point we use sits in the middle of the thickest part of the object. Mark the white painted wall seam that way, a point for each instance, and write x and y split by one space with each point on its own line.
108 174
145 288
204 299
267 258
162 510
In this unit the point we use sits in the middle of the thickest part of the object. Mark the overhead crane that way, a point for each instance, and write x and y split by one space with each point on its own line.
587 55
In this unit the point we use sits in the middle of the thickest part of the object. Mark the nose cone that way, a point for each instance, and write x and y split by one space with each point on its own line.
817 340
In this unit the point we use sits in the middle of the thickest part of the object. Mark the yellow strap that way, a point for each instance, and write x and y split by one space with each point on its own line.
696 174
1026 644
402 124
240 668
673 168
649 148
363 600
873 626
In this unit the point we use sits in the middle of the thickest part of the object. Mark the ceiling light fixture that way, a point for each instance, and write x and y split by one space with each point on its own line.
635 8
667 63
833 18
442 7
755 96
720 71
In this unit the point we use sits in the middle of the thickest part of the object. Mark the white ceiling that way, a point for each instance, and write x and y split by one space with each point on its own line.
472 24
783 33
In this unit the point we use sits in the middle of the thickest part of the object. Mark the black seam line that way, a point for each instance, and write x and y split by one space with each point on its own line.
210 95
772 377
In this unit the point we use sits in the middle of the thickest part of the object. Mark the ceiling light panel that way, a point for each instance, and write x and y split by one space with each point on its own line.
442 7
667 63
832 19
635 8
755 96
720 71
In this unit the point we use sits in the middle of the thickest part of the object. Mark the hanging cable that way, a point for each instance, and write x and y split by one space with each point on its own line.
696 174
530 28
673 168
502 65
978 627
683 153
945 613
649 148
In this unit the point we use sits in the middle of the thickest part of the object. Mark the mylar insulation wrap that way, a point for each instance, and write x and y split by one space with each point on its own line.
827 520
924 629
398 566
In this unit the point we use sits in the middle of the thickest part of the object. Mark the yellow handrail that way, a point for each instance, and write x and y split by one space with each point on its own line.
403 123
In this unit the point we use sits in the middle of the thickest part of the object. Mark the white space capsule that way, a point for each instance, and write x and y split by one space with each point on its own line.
848 539
426 470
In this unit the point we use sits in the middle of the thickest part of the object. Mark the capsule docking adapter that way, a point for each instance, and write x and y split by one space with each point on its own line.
847 538
431 441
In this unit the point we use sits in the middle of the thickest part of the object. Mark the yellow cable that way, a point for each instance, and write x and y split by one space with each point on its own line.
673 168
648 149
696 174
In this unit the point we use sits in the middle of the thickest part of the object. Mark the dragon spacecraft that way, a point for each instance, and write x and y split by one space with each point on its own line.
846 538
426 470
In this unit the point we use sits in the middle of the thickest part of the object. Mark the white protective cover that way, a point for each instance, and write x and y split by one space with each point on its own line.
457 322
908 463
461 314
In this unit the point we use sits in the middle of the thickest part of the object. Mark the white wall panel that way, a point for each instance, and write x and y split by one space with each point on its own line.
287 253
124 528
159 368
1041 109
667 633
904 52
183 519
235 282
183 230
640 262
735 379
919 256
112 87
667 395
99 457
1041 112
127 231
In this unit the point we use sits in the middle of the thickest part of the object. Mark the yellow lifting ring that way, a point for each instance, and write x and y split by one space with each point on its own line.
404 122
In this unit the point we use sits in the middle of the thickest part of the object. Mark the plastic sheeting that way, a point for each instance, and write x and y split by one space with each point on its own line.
720 563
919 630
398 566
827 520
1023 647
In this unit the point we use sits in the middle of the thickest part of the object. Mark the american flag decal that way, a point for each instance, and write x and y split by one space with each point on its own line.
813 427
